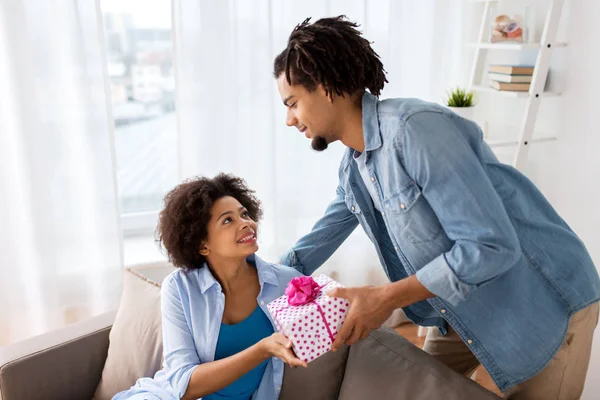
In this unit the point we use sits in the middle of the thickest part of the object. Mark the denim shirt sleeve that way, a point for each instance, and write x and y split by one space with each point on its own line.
452 179
179 351
313 249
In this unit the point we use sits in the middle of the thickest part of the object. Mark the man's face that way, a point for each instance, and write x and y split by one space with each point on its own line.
312 113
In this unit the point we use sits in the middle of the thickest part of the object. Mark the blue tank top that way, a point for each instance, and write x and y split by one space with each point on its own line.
236 338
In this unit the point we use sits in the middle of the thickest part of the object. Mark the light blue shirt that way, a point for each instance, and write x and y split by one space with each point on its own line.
507 271
192 305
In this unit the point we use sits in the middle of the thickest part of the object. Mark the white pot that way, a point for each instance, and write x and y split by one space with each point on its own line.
465 112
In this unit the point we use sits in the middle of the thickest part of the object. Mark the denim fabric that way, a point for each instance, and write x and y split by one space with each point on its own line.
506 270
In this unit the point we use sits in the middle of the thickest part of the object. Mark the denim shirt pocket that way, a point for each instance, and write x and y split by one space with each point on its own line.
412 215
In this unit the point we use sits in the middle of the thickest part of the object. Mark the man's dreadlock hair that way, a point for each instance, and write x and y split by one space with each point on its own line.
331 52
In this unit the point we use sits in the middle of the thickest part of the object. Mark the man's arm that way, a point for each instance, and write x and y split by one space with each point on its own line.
313 249
456 185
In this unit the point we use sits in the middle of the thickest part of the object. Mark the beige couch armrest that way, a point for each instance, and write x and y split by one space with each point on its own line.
64 364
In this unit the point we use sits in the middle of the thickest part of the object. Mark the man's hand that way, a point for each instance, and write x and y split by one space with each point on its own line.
371 306
368 311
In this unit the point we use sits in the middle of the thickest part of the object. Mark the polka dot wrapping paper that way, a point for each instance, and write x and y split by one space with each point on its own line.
311 327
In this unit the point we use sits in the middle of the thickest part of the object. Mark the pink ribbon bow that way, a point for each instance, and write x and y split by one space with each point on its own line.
302 290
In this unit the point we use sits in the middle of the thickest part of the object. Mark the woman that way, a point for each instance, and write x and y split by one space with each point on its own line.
218 338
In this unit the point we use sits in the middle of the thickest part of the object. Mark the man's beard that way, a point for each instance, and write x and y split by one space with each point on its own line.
319 143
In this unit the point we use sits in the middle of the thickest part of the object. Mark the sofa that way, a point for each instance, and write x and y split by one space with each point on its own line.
96 358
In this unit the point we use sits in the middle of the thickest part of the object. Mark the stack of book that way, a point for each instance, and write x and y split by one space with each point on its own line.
515 78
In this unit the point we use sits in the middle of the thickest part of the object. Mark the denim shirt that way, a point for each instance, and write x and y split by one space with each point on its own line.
506 270
192 305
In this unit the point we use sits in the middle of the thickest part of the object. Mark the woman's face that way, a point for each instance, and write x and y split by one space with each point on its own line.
232 233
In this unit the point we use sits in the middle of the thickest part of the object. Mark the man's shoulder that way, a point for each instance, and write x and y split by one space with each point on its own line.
394 115
399 110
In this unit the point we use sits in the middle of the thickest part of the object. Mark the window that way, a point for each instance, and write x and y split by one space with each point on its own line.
139 52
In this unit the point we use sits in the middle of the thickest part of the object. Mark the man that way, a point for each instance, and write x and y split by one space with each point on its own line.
470 245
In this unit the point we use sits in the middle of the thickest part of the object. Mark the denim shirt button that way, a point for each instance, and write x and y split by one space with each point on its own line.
443 311
382 214
353 208
470 341
403 206
372 179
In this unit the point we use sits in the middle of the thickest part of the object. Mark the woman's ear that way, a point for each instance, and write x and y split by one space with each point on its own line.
204 250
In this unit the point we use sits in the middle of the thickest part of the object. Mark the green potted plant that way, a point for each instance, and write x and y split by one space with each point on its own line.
461 101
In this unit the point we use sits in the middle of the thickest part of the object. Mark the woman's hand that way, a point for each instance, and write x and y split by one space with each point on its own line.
277 345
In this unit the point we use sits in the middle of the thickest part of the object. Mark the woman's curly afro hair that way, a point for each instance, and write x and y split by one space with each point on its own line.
183 223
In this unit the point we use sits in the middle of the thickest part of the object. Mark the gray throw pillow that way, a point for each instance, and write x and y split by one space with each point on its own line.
320 381
387 366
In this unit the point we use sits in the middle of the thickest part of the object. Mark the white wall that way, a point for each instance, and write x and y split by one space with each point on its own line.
576 172
568 170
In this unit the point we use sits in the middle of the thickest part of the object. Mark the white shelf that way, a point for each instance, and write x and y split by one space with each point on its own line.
509 143
512 46
519 95
544 50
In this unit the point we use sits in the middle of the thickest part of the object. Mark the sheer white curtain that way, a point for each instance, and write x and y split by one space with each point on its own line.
232 120
60 247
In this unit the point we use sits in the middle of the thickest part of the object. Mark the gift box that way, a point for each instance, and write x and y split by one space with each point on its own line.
308 317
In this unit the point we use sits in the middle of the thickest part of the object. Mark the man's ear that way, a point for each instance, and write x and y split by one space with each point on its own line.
321 90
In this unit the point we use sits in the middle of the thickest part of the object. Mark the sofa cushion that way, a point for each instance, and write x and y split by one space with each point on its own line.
387 366
135 348
320 381
58 365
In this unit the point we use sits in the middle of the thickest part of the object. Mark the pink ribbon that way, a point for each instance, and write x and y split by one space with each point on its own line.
303 290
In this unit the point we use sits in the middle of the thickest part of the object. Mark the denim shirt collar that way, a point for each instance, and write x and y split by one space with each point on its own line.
370 122
265 274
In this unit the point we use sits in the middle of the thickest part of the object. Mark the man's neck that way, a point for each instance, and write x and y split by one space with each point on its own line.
352 134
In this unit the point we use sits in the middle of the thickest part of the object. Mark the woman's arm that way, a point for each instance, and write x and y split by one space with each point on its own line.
192 379
210 377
